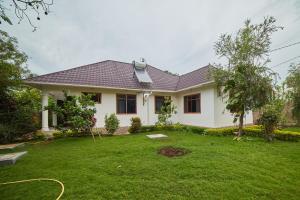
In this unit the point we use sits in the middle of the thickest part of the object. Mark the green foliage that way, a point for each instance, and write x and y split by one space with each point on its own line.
220 131
245 82
287 135
68 133
166 112
12 62
173 127
135 125
19 104
58 134
254 131
293 84
271 116
39 135
194 129
148 128
292 128
77 113
111 123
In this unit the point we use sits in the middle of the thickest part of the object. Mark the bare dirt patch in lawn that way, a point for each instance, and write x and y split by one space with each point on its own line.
170 151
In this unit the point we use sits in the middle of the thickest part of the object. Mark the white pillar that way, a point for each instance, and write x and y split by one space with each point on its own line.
45 126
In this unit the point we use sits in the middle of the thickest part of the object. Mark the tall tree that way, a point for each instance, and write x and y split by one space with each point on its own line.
12 63
18 103
293 84
23 8
245 82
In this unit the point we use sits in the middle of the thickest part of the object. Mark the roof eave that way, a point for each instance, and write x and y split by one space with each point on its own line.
196 86
37 83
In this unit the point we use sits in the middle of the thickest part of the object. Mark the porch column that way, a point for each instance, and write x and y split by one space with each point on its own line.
45 126
54 116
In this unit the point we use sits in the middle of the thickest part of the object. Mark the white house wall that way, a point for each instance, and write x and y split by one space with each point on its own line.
206 117
109 102
213 112
223 117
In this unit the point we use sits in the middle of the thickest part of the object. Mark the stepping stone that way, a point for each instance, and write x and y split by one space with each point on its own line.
155 136
11 146
10 158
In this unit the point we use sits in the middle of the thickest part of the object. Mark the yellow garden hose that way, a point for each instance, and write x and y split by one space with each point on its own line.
39 179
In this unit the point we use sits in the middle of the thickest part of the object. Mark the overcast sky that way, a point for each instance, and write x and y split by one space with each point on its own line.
172 35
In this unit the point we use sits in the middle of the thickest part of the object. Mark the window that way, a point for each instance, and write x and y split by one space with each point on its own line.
96 97
126 104
159 102
192 103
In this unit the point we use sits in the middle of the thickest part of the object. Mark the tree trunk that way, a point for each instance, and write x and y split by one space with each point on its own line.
241 124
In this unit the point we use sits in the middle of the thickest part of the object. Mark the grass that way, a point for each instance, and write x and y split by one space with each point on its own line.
294 129
128 167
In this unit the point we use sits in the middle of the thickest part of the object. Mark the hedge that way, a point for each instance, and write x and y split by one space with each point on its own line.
255 131
173 127
220 131
287 135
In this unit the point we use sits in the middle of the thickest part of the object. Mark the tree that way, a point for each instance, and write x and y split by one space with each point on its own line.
245 82
23 9
166 112
19 104
12 63
77 113
293 84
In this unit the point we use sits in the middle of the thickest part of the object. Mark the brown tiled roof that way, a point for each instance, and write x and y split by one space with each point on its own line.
193 78
121 75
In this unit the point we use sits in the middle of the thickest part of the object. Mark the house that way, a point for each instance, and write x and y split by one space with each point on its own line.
138 89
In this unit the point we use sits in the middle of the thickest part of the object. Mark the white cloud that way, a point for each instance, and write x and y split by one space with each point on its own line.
173 35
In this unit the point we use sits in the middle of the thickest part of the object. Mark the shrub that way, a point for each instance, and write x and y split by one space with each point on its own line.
194 129
220 131
256 132
77 113
166 112
287 135
173 127
272 114
59 134
19 114
7 133
148 128
135 125
39 135
69 133
111 123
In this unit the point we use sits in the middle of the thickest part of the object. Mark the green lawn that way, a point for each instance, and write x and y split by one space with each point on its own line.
128 167
294 129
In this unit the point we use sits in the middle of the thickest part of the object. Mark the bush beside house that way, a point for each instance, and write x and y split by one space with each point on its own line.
136 125
111 123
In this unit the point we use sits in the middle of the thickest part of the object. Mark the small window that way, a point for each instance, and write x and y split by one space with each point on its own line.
96 97
126 104
192 103
159 102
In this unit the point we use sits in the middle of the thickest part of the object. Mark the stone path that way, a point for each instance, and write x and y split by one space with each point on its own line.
155 136
11 146
10 158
